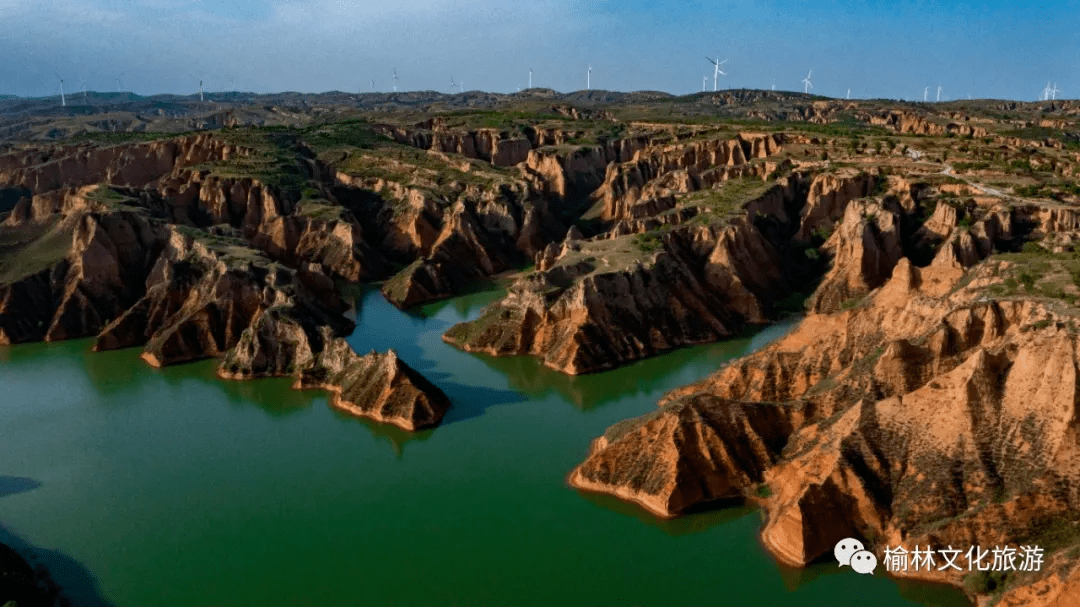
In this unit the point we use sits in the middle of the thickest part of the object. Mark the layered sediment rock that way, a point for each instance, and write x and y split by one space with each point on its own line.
696 451
928 414
865 247
193 266
643 185
827 198
914 124
377 385
605 301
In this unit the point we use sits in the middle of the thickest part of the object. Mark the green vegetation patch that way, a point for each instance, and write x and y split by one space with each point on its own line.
116 137
30 248
727 201
419 168
1035 271
273 157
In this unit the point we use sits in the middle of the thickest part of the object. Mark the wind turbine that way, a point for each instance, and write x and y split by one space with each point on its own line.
1046 92
1054 91
588 80
704 85
716 70
774 85
530 77
849 93
200 90
395 79
925 92
807 85
63 101
939 93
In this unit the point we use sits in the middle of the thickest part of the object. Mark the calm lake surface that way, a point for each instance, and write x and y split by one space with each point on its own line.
156 488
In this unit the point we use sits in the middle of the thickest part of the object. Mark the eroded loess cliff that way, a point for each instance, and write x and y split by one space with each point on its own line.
939 409
597 303
194 265
691 254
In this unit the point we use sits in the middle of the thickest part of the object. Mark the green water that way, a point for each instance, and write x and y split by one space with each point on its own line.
146 487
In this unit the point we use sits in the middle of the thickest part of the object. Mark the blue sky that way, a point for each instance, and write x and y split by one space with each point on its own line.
877 49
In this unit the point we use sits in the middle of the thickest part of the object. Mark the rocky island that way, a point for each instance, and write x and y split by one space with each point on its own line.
928 395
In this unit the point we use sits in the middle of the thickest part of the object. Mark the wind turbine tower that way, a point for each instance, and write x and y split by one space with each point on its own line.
939 93
716 70
588 80
530 77
807 85
200 91
925 92
1054 91
1046 92
63 101
704 83
395 79
849 93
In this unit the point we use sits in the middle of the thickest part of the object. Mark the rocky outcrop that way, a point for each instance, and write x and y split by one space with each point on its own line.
696 451
929 414
606 301
913 124
135 282
130 164
864 248
85 270
286 341
189 264
643 186
377 385
827 198
500 148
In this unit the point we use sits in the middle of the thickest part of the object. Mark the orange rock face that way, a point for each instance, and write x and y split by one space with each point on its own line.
190 266
927 414
377 385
